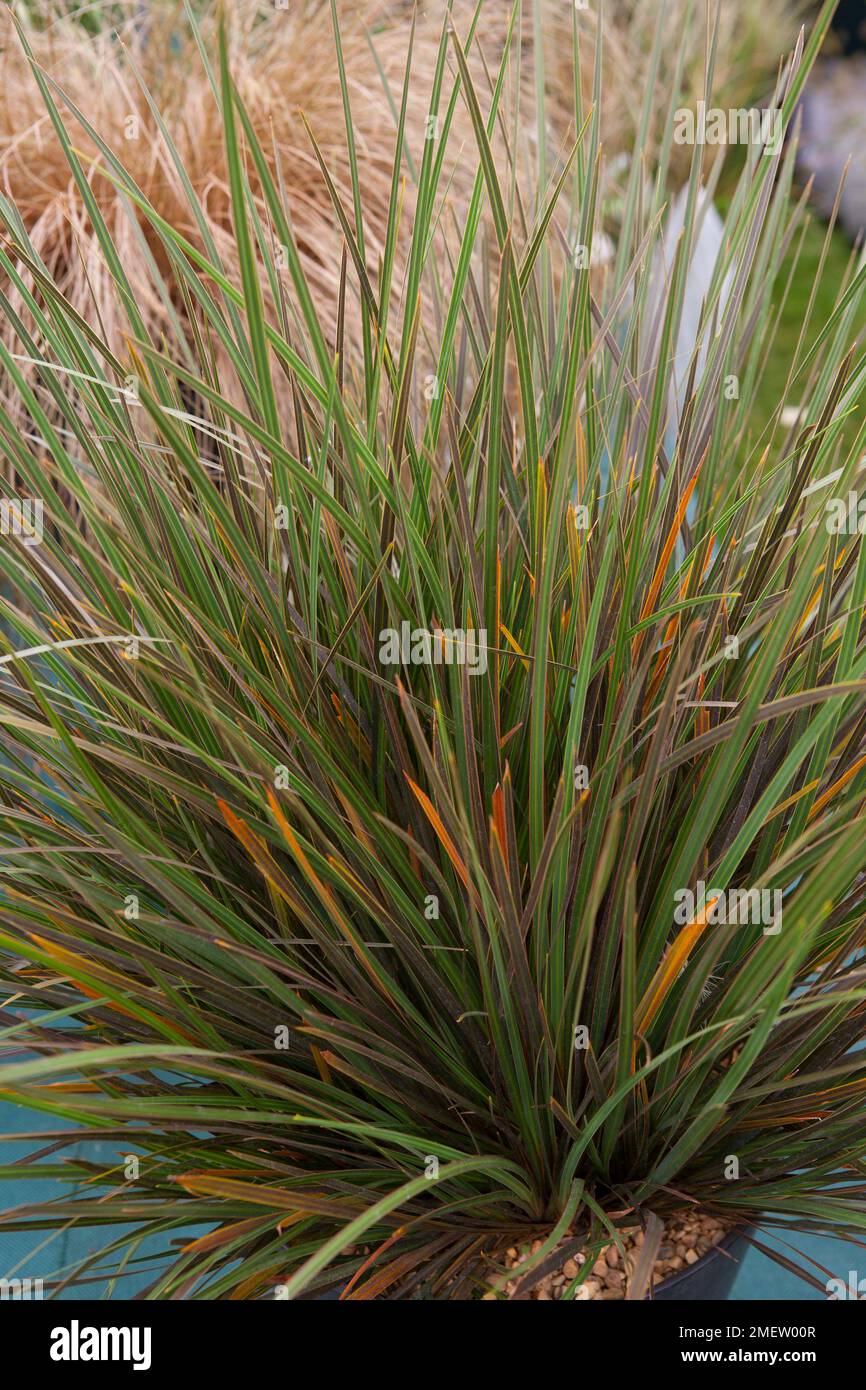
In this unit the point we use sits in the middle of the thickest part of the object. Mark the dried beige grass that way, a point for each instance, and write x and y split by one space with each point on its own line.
284 63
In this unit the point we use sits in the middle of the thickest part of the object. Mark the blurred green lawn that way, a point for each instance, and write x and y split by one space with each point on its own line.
839 253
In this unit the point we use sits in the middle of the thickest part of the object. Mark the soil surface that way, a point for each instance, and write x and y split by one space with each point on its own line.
687 1236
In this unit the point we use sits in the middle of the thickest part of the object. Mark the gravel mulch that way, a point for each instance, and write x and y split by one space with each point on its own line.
688 1236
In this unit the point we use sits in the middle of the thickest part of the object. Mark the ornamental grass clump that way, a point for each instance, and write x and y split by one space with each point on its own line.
432 815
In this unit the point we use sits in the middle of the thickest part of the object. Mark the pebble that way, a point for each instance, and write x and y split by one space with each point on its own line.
687 1237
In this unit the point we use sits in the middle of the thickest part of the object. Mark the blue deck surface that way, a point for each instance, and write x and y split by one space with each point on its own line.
51 1254
43 1254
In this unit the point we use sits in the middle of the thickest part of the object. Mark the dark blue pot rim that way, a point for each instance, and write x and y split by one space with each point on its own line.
722 1256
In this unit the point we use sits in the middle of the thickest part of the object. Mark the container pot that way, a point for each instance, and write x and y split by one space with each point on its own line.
710 1277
